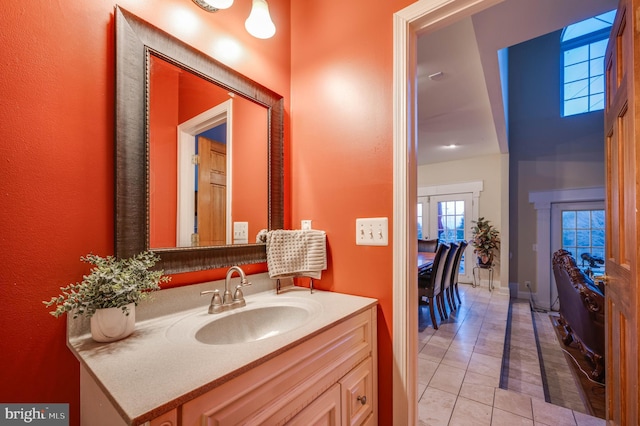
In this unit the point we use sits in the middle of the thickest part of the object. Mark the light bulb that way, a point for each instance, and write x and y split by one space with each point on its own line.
259 23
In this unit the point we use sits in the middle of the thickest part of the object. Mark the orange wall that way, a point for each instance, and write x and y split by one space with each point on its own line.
163 153
341 154
57 179
334 68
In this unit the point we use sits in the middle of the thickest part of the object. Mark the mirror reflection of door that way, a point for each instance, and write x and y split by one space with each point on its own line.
211 192
183 105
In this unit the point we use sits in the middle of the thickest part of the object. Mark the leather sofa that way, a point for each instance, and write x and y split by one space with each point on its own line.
581 311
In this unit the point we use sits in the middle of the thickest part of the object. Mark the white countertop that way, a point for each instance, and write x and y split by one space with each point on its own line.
156 369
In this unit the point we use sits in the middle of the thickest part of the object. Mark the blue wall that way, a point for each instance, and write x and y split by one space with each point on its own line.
546 151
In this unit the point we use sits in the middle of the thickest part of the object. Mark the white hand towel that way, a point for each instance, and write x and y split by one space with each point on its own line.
296 253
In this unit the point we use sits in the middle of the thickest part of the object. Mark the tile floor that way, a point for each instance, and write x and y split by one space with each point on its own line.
460 369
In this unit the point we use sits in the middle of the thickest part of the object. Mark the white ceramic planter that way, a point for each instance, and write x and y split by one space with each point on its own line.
111 324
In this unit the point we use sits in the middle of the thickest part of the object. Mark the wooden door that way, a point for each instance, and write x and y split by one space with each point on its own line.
211 208
623 194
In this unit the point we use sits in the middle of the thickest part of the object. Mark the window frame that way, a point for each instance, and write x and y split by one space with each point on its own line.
574 43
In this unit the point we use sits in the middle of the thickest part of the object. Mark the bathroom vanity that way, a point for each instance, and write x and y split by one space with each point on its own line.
295 358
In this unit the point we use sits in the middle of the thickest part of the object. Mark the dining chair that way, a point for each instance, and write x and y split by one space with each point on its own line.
428 245
456 270
430 282
447 277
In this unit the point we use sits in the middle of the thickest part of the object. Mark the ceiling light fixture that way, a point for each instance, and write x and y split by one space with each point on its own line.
258 24
213 5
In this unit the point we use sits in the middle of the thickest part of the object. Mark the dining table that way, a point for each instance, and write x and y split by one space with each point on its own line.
425 259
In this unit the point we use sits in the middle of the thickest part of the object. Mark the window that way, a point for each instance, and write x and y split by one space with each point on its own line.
420 220
451 224
583 235
447 218
583 46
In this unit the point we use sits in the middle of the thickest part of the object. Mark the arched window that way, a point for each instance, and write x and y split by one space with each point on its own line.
583 45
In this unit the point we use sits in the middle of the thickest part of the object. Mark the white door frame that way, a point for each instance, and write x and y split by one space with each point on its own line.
187 131
423 16
556 234
542 201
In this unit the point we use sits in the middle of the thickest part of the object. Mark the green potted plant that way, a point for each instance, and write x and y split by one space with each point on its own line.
109 293
485 241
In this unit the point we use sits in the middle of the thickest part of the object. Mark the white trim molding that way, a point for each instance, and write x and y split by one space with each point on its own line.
187 131
423 16
542 201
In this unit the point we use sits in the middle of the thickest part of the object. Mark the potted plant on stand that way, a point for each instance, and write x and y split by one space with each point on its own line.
109 294
485 242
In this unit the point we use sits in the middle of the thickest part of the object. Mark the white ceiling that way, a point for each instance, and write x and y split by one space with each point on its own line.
464 105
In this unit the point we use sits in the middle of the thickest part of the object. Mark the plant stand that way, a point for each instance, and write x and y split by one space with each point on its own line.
479 268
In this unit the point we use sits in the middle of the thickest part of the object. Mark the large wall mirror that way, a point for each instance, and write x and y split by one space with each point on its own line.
199 151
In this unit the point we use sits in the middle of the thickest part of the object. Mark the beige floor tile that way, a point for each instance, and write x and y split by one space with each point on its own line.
485 364
426 369
460 368
586 420
479 379
435 407
432 353
513 402
550 414
441 340
421 388
470 413
448 379
457 357
505 418
535 391
495 350
526 373
477 392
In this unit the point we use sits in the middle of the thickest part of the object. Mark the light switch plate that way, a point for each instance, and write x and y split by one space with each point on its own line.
373 231
241 232
305 225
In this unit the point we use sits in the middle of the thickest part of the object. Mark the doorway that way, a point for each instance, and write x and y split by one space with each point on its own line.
420 16
218 116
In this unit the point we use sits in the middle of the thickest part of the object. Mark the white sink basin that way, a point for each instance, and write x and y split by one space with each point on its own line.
259 320
253 324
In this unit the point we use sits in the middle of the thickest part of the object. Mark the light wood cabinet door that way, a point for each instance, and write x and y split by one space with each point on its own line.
357 394
323 411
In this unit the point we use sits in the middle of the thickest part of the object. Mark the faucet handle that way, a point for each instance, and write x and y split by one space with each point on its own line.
238 297
216 301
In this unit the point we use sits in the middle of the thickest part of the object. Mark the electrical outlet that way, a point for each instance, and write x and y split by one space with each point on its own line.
305 225
241 232
372 231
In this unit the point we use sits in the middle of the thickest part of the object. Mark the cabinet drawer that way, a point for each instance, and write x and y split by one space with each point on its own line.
324 411
357 394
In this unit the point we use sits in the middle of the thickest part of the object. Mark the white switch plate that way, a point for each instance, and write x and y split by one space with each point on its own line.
373 231
241 232
305 225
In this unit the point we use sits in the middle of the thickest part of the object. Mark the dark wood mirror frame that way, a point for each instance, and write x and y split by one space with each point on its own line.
135 40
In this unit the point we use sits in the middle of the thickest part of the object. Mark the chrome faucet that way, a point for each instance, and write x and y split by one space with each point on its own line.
228 301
